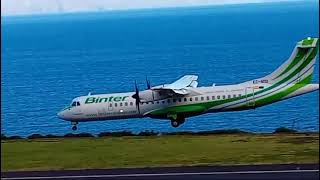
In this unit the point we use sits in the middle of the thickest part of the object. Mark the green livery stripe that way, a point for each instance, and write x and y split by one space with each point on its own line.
68 107
299 56
203 106
180 109
301 67
278 96
282 94
200 107
207 105
307 42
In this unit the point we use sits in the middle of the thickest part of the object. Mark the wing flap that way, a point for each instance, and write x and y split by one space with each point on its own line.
185 81
179 87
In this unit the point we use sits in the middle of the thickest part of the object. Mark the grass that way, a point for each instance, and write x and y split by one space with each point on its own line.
169 150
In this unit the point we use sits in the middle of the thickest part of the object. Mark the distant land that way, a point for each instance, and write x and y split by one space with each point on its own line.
35 7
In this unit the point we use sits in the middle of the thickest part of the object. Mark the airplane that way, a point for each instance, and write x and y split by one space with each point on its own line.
183 98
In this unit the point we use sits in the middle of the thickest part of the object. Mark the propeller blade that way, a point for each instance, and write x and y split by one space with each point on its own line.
136 87
138 106
137 97
148 83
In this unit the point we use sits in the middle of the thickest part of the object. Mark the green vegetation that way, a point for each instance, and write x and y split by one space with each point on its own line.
284 130
129 133
164 150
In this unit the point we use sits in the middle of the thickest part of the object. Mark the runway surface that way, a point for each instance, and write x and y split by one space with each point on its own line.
243 172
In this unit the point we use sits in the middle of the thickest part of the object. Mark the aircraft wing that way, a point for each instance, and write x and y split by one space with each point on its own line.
180 86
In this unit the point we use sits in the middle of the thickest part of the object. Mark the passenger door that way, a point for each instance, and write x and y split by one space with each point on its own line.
250 97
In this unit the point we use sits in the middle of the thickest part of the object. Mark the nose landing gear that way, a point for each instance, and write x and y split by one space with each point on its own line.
177 122
74 125
74 128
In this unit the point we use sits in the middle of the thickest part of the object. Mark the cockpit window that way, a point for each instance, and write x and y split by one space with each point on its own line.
75 103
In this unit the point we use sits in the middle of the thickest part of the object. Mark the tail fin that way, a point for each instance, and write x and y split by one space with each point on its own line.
299 66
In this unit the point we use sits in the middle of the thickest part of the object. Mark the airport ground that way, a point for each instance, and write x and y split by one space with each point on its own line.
158 151
237 172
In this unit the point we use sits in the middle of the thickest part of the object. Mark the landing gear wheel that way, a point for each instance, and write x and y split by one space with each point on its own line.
175 123
74 128
74 125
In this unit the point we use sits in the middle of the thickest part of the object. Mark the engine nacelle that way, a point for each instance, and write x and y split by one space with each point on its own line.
151 95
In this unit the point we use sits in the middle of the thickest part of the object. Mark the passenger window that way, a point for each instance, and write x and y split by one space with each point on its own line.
152 102
213 97
229 96
185 99
74 104
78 103
126 104
115 104
110 105
196 98
234 96
168 100
202 98
163 102
131 103
223 96
158 102
239 95
179 99
208 98
120 104
218 97
191 99
174 100
147 102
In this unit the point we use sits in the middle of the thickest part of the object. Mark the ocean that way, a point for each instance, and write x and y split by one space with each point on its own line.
48 60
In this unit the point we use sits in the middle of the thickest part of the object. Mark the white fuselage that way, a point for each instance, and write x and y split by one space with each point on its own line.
122 105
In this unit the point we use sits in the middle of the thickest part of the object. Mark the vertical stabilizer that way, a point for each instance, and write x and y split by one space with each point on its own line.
299 66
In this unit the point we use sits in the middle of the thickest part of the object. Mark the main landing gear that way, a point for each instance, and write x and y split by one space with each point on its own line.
177 122
74 125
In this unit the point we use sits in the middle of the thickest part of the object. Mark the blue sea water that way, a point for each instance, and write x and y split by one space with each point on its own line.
49 60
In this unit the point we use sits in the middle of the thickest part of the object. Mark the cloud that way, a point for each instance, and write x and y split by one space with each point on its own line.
21 7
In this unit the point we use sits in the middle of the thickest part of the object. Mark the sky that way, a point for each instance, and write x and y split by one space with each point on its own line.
27 7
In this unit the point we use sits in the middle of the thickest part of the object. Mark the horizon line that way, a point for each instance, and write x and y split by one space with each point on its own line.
149 8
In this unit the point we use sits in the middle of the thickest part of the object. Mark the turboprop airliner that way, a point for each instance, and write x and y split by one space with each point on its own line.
183 98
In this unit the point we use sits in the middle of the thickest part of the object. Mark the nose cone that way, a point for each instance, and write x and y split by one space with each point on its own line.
65 114
61 115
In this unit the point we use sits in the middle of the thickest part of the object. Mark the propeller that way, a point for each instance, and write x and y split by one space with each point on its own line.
149 86
136 96
148 83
